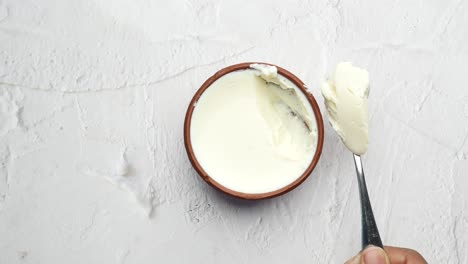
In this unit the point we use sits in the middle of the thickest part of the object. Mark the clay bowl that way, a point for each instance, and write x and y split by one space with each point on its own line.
252 196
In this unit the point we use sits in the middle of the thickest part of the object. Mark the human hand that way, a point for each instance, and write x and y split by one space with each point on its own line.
391 255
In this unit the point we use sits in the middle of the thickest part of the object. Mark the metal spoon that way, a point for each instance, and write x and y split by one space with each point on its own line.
370 233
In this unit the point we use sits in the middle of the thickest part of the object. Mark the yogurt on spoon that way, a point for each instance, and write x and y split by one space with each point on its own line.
345 95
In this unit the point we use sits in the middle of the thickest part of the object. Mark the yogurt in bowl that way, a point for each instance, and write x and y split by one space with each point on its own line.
253 131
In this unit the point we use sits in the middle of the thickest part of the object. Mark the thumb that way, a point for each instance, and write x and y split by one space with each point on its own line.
374 255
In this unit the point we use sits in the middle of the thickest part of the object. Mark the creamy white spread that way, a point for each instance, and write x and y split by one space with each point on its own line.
346 94
253 130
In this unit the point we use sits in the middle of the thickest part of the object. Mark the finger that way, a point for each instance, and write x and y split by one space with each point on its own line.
355 260
370 255
374 255
404 256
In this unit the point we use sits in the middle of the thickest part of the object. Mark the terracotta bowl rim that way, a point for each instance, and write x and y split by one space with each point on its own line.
252 196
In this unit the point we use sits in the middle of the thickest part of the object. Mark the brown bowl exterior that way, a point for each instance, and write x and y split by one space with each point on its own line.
250 196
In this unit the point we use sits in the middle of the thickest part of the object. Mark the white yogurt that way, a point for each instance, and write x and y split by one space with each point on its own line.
345 96
253 131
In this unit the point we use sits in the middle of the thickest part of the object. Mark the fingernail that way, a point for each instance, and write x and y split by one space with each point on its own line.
355 260
374 255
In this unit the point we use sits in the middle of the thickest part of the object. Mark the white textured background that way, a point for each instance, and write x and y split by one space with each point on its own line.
88 85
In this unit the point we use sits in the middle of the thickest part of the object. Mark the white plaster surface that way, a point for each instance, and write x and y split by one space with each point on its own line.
94 92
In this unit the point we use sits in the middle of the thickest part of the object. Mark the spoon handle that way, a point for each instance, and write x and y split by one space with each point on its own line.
370 233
